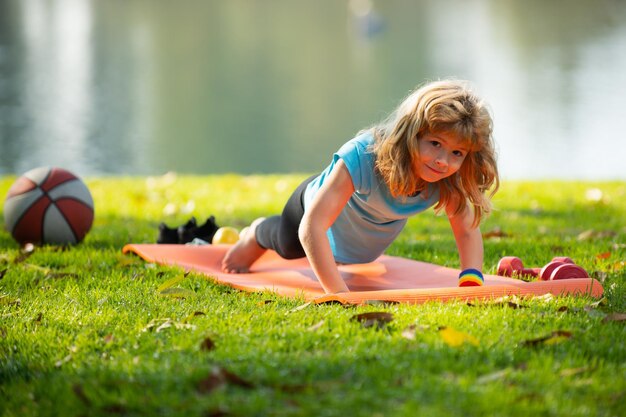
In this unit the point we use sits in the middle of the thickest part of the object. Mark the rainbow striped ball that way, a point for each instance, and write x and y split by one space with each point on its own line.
48 206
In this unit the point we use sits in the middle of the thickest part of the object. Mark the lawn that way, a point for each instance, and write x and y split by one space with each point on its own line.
88 331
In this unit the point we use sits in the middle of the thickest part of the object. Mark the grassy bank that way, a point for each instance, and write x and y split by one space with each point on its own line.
88 331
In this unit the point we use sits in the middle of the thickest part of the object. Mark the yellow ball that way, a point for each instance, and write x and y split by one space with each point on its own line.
225 234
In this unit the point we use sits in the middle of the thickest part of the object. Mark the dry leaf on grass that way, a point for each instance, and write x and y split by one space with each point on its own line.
614 317
506 301
25 252
37 319
553 338
494 376
220 377
63 361
378 319
411 331
58 275
207 344
495 234
316 326
576 371
159 325
455 338
300 307
177 292
193 315
170 283
596 235
9 301
603 255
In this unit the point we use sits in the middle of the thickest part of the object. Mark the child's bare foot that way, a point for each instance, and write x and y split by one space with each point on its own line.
243 254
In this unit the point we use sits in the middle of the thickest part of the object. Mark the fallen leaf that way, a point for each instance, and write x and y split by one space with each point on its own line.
176 325
575 371
159 325
300 307
58 275
63 361
170 283
108 338
25 252
80 393
43 270
614 317
207 344
555 337
505 301
494 376
378 319
455 338
495 233
127 261
9 301
618 266
595 235
604 255
220 377
192 315
411 331
316 326
177 292
511 304
545 298
601 301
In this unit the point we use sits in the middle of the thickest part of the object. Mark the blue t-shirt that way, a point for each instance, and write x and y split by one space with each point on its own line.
372 218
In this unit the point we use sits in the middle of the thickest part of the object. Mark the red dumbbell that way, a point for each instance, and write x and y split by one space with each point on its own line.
511 265
567 271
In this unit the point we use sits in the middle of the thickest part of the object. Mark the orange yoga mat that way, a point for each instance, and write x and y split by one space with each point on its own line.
388 278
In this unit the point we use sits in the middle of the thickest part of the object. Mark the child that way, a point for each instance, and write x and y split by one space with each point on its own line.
436 150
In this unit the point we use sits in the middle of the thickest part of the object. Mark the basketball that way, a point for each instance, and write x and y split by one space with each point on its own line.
48 206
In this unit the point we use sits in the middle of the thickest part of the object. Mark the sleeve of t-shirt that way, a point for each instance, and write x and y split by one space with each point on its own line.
359 162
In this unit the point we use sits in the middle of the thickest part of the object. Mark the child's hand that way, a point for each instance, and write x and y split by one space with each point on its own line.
471 278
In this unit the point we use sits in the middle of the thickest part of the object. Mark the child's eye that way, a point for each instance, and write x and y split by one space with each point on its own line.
435 143
457 153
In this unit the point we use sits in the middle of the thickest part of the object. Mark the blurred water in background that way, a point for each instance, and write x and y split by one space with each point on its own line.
209 86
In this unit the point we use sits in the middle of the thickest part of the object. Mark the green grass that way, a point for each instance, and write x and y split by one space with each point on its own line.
85 332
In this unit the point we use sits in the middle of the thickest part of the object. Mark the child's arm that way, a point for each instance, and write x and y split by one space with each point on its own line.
325 208
469 240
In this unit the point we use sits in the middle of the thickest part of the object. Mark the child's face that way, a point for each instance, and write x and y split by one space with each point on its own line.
440 155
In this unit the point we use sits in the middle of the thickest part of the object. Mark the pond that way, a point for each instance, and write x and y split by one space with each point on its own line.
144 87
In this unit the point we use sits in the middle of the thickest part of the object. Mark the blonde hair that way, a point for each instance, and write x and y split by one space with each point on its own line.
447 106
